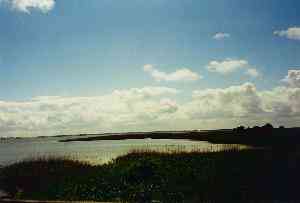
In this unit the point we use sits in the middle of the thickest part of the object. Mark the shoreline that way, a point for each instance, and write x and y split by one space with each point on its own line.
252 137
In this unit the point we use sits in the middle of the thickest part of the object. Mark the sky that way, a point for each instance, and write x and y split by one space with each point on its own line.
74 66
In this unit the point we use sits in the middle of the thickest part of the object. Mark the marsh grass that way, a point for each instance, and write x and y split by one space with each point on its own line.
232 174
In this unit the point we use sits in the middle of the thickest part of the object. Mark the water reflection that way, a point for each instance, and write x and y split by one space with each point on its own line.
96 152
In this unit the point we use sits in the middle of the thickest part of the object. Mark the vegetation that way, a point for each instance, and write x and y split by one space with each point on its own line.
265 173
226 176
264 136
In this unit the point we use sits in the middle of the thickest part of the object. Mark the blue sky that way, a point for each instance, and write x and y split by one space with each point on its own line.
75 48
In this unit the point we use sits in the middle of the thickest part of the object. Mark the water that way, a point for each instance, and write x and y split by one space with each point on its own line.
96 152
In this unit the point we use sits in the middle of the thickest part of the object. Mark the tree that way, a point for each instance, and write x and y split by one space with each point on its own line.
240 129
268 126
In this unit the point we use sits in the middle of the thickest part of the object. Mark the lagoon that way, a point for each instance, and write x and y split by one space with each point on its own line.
96 152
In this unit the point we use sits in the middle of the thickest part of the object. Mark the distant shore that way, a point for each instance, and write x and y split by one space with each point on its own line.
257 136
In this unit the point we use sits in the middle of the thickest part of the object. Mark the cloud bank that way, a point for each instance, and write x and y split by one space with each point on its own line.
183 74
67 114
154 108
293 78
234 101
245 104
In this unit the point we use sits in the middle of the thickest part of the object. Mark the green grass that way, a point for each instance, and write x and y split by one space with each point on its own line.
142 176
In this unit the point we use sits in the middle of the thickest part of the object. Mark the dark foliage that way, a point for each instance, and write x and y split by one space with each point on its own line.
265 136
225 176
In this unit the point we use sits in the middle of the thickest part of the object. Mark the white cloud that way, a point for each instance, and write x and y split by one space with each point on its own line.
221 35
282 102
26 5
234 101
290 33
145 92
245 103
253 72
154 108
183 74
230 66
136 106
227 66
168 105
293 78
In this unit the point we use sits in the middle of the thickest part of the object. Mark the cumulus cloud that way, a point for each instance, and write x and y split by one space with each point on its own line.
26 5
290 33
245 103
168 105
154 108
183 74
75 114
293 78
282 102
234 101
221 35
227 66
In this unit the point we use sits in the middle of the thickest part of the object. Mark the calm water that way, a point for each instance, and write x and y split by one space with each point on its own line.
13 150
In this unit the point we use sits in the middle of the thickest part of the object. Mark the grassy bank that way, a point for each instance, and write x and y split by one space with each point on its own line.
229 175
